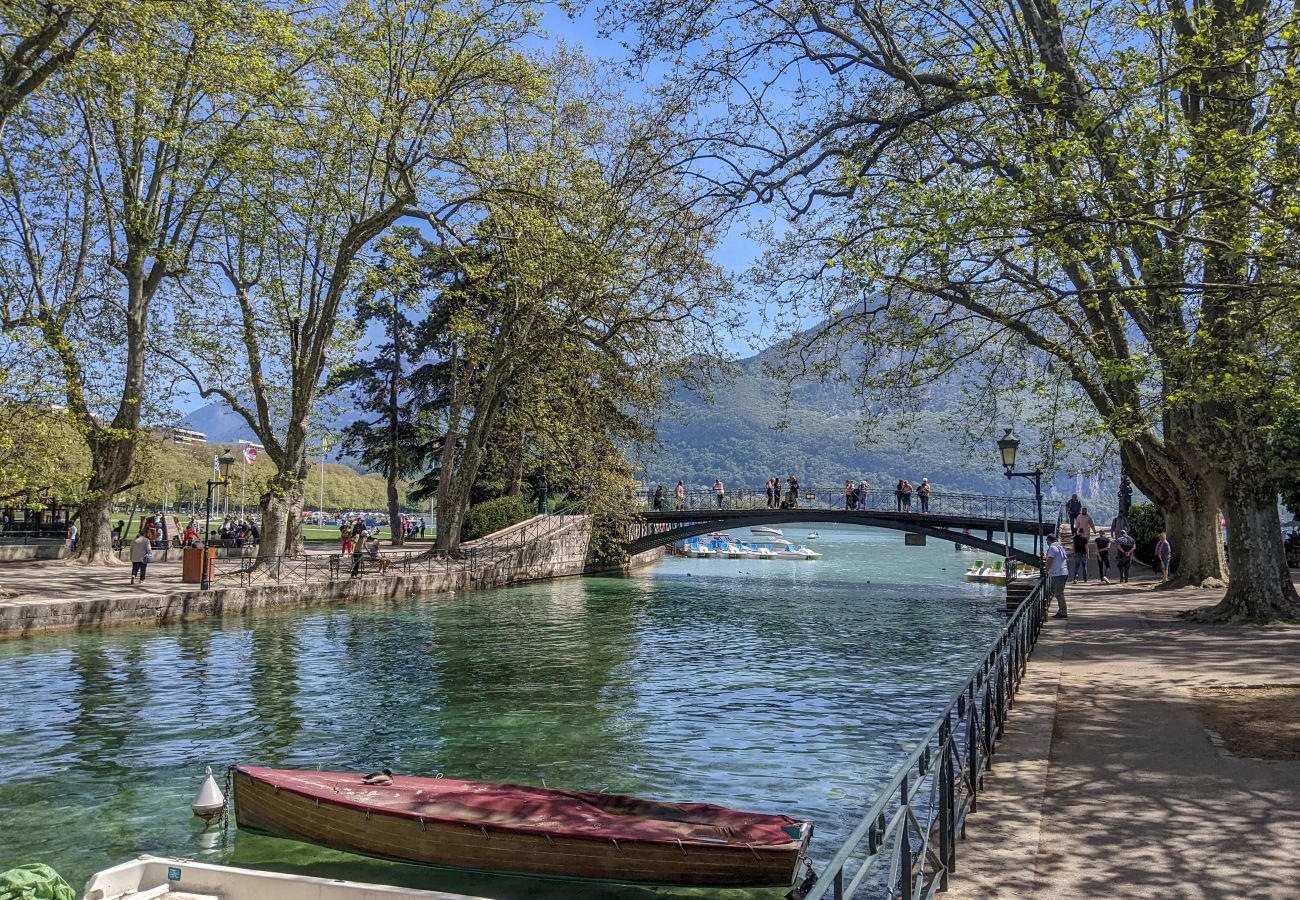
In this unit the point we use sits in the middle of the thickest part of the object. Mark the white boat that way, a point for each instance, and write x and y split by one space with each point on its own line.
180 879
767 530
694 549
790 550
812 536
982 574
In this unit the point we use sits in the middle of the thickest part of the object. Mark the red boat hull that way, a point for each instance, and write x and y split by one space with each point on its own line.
523 830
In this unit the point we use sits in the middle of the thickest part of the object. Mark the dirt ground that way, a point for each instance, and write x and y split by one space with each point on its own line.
1252 722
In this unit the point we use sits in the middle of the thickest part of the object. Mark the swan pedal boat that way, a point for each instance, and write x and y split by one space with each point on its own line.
523 830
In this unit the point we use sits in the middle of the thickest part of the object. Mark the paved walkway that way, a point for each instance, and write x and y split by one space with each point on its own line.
1109 784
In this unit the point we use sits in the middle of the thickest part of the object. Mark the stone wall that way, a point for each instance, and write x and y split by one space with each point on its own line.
561 553
43 550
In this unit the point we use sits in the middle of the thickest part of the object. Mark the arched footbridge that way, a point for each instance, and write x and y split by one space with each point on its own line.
985 522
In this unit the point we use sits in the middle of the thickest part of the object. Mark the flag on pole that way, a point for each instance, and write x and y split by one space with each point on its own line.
250 454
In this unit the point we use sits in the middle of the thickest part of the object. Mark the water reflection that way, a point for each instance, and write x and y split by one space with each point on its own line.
789 689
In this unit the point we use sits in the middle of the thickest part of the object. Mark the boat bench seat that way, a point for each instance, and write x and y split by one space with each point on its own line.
165 890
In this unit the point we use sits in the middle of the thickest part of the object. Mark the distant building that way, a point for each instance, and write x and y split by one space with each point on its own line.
186 436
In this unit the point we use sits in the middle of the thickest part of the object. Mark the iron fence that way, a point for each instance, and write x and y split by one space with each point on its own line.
254 571
906 845
953 503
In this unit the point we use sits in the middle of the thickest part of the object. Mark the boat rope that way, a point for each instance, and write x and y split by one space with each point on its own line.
752 850
682 846
548 840
422 828
485 833
616 846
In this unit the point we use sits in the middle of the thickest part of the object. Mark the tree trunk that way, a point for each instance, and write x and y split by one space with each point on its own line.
1192 522
396 535
1186 489
111 458
1260 589
275 525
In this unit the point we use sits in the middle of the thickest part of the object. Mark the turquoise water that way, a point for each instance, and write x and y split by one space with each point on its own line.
788 687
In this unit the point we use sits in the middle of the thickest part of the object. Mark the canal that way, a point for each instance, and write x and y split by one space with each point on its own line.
784 687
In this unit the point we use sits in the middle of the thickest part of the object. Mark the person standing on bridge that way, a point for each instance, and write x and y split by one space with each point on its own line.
659 498
898 496
924 493
680 494
907 495
770 494
848 494
718 491
1058 570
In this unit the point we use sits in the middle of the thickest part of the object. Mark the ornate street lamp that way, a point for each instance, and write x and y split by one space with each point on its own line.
224 464
1009 447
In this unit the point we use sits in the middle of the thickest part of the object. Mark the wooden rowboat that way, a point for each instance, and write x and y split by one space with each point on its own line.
523 830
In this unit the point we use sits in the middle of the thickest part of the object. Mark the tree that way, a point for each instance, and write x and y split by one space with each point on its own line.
38 38
390 96
107 181
390 437
581 286
1110 188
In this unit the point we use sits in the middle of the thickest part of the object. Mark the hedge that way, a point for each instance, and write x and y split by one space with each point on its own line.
493 515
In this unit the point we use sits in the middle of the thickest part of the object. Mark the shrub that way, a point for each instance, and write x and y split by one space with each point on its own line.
485 518
1145 524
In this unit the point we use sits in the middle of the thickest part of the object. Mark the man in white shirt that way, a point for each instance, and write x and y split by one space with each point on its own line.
1058 570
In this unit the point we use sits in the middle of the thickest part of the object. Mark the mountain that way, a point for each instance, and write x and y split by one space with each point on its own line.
734 438
220 423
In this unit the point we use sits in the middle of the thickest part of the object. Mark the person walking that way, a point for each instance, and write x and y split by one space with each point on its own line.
141 556
1080 557
1057 572
679 493
1072 507
1102 544
1164 553
924 493
1083 528
72 537
718 491
1124 547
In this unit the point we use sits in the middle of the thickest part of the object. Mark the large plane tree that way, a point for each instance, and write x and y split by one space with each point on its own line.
1110 188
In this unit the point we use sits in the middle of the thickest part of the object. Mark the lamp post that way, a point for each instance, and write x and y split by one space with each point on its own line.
1009 446
224 464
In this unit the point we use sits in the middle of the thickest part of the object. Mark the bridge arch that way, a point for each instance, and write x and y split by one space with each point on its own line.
660 528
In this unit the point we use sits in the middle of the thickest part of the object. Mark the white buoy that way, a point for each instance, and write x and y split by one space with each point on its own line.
210 801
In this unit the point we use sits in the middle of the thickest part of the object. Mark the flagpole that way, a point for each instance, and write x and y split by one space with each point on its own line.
243 481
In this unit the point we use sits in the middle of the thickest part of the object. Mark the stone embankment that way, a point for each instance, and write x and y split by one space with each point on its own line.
51 596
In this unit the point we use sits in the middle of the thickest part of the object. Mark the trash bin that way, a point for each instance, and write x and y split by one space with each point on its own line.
192 564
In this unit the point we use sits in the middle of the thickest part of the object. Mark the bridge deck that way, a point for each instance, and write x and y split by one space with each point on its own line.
661 527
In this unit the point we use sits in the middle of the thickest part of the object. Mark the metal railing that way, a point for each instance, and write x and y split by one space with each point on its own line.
906 845
953 503
492 550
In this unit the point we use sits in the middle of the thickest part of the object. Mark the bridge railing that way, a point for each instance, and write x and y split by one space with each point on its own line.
906 844
953 503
